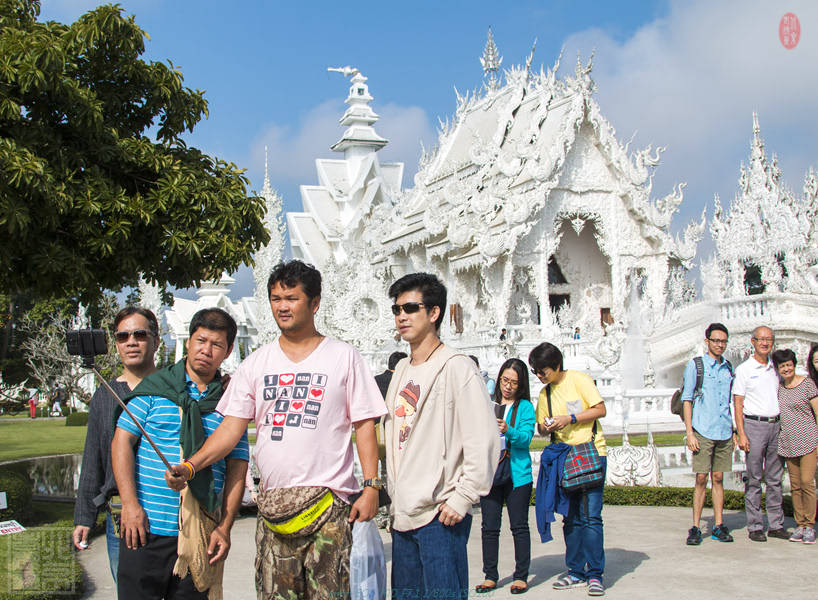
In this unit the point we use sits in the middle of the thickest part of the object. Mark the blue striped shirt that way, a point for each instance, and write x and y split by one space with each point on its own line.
161 419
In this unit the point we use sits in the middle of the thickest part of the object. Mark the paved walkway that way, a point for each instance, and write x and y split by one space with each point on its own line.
645 553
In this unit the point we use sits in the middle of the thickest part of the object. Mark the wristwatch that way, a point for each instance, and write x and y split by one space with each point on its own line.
375 482
573 419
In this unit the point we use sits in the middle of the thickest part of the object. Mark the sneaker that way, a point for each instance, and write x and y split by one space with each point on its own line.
781 534
694 536
720 533
595 588
566 582
757 535
809 535
797 535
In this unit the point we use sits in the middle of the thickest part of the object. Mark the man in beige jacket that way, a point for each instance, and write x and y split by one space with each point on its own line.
442 447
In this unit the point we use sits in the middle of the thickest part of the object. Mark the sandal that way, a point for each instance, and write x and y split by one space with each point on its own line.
566 582
487 586
518 586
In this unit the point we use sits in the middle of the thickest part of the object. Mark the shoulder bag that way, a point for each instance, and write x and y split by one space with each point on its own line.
583 465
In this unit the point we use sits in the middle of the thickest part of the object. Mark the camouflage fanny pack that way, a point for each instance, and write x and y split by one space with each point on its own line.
295 511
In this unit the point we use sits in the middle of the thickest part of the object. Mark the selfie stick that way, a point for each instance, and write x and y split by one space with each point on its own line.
130 414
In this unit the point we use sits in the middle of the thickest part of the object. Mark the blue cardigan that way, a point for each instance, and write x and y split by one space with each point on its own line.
518 439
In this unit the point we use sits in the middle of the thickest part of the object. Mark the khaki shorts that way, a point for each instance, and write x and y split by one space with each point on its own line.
714 456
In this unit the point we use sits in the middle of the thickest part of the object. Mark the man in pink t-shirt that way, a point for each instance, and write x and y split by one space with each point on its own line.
306 393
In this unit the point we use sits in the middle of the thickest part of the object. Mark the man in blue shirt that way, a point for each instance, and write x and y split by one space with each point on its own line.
709 428
176 407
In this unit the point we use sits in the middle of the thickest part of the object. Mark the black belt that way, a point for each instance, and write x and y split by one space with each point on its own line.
764 419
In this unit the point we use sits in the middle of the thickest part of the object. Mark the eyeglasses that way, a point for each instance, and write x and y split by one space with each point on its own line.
537 372
718 342
407 307
509 382
764 340
140 335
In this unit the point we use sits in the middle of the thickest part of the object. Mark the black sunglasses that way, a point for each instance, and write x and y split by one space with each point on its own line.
407 307
140 335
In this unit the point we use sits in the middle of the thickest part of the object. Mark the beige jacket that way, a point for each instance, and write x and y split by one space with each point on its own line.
452 451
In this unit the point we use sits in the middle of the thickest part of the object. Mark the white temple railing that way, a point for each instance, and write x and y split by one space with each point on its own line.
750 307
640 411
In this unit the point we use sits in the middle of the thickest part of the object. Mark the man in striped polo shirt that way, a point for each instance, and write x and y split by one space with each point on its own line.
176 407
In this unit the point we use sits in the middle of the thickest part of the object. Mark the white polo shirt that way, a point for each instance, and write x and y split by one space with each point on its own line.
758 383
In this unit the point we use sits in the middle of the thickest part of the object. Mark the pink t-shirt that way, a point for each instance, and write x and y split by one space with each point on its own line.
304 413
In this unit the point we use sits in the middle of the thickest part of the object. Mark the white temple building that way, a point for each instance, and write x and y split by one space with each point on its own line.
540 221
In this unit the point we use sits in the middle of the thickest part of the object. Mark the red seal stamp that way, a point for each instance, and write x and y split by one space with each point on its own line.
789 31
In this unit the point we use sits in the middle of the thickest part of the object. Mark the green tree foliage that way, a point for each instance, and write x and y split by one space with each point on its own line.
96 183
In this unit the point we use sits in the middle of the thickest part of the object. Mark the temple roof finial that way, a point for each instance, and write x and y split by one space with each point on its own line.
491 61
360 136
266 170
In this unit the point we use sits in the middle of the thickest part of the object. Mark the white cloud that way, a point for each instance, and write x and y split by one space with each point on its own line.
691 81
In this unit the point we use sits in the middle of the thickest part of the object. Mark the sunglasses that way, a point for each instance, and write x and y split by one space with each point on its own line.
407 307
140 335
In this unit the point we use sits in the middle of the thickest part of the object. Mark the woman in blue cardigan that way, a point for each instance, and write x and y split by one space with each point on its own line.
512 482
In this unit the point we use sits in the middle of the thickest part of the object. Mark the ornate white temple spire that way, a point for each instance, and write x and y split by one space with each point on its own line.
267 257
491 61
360 137
266 187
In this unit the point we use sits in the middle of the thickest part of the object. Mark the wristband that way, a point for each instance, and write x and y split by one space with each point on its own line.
189 465
573 419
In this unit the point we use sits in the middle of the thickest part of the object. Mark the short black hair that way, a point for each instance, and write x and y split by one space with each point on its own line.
291 273
430 287
394 359
715 327
545 355
523 390
784 355
474 358
153 323
214 319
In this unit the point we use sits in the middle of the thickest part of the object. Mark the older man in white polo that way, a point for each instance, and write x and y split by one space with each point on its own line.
755 393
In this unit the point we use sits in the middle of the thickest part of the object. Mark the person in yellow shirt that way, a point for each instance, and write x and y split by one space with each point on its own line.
576 408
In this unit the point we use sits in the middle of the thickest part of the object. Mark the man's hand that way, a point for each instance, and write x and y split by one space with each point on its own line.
744 442
134 526
365 507
219 545
80 537
692 442
176 478
448 515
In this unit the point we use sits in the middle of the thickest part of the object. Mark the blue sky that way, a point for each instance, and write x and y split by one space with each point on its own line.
684 75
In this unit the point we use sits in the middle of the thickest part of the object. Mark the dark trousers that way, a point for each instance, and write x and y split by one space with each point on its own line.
517 501
147 573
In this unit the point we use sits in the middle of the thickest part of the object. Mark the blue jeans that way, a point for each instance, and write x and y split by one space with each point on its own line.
431 561
113 545
582 528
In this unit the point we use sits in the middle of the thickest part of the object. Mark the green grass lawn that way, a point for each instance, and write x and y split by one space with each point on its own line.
659 439
27 438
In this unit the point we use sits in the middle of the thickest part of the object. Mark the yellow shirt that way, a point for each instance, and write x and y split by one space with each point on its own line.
575 393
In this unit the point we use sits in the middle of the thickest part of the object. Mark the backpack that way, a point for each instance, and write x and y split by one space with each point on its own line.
676 404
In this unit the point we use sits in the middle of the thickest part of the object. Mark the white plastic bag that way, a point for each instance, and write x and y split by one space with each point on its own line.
367 563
